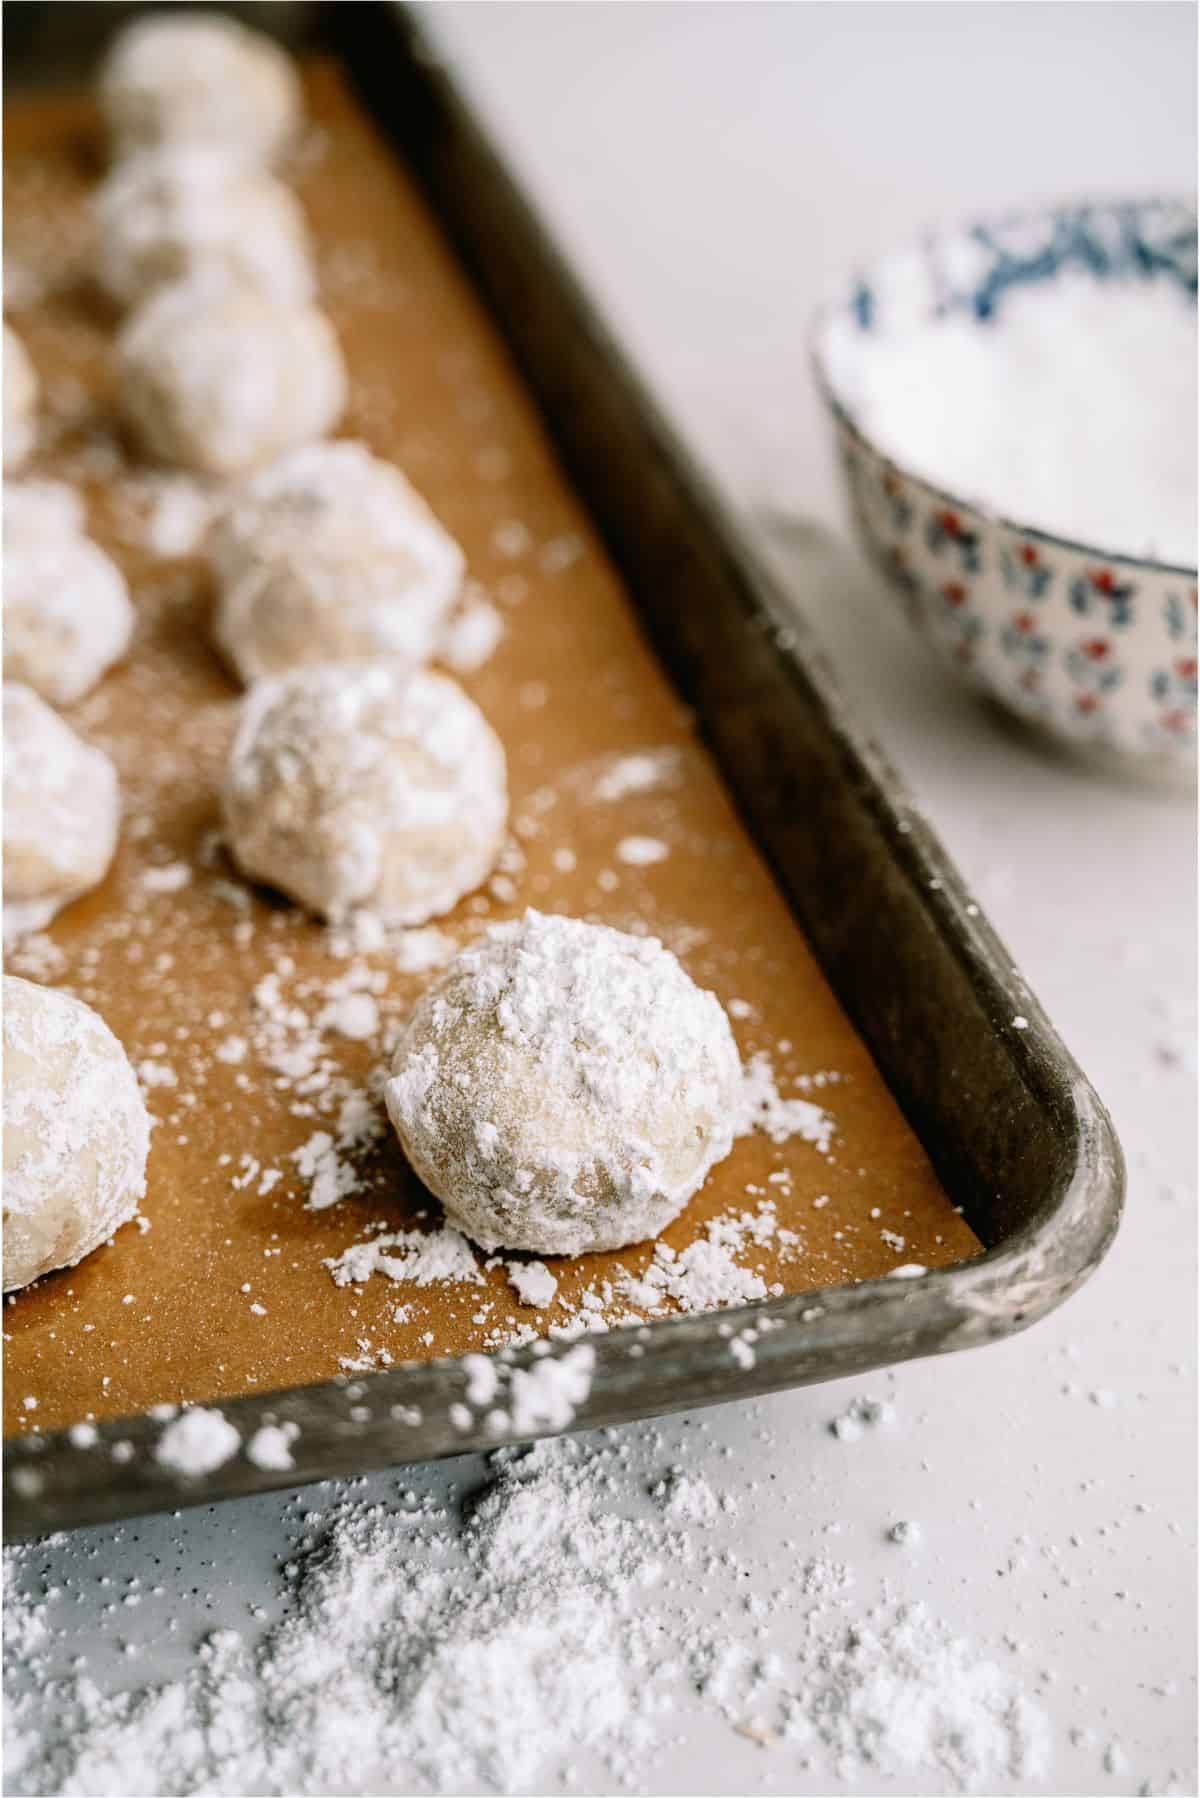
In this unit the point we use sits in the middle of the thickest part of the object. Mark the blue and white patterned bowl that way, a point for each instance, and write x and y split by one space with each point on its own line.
1096 649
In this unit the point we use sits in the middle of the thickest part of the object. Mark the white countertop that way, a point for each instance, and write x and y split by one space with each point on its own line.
711 170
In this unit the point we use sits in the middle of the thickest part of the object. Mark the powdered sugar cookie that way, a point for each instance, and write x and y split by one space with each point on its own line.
331 555
67 616
220 379
321 490
564 1087
366 786
195 77
76 1132
168 214
37 510
20 401
61 812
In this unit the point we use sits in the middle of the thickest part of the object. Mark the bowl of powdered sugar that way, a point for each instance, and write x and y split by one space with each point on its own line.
1015 406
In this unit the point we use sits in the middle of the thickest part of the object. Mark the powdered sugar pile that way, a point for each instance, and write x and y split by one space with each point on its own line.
557 1620
762 1108
197 1442
419 1257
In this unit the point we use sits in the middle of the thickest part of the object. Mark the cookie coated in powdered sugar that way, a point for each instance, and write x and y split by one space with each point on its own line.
327 555
35 510
366 786
61 812
565 1087
218 378
315 489
199 77
20 401
76 1132
167 214
67 613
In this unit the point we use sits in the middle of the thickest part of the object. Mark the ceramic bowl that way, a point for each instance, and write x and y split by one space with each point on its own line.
1098 650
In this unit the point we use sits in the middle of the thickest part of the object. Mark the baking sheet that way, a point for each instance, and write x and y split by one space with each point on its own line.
227 1292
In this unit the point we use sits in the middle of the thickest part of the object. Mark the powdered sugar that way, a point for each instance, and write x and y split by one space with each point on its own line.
418 1257
1120 352
860 1415
270 1447
533 1283
197 1442
330 1177
703 1277
763 1109
558 1620
545 1396
642 852
640 772
471 635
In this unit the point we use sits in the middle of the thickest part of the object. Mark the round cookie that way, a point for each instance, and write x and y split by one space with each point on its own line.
321 489
61 812
219 379
365 786
20 401
36 510
195 77
67 616
330 554
76 1132
169 214
564 1087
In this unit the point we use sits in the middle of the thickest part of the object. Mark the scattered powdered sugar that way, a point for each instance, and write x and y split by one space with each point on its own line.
547 1395
331 1177
642 852
904 1694
640 772
532 1282
557 1619
197 1442
419 951
764 1109
703 1277
471 635
686 1498
419 1257
352 1015
270 1447
860 1415
171 878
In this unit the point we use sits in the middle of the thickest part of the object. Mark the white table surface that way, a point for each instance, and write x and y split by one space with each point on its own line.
711 169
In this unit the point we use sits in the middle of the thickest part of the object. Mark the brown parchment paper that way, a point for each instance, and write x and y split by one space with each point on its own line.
226 1292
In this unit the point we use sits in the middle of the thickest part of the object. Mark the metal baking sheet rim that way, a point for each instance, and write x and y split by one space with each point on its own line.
420 1411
